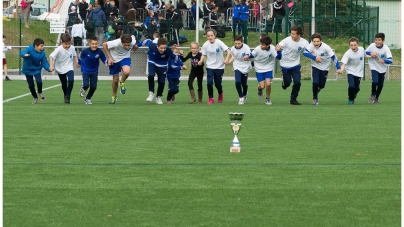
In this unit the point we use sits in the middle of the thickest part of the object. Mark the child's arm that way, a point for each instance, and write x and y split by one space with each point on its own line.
336 63
307 54
46 65
24 53
77 61
228 53
103 58
200 62
228 57
339 71
106 51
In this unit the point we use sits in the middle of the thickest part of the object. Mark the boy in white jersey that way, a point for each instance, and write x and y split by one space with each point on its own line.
352 61
63 59
264 62
291 48
320 55
379 55
213 50
241 67
119 60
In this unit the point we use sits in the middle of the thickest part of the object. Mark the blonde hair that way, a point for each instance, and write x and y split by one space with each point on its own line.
194 43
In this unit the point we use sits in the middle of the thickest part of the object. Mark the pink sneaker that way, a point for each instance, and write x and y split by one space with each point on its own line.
211 100
220 98
168 102
173 98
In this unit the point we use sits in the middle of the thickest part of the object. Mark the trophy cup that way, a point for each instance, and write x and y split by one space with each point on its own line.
235 126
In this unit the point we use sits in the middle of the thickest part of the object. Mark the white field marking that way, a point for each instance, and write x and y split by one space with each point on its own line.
20 96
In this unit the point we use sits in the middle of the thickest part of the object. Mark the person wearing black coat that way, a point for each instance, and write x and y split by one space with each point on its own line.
176 21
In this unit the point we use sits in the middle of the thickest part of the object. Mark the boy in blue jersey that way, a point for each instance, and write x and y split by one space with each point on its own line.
158 55
321 55
118 54
34 60
379 56
89 61
173 75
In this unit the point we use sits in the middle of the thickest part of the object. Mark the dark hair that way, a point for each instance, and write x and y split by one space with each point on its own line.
156 33
297 29
380 36
93 38
162 41
4 36
38 41
160 15
66 38
126 38
316 36
263 35
77 21
152 19
266 40
353 39
238 38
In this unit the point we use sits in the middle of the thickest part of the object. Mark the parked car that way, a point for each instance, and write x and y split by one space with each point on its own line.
37 9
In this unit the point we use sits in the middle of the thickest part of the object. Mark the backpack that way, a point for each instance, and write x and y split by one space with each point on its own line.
221 32
131 31
110 29
23 4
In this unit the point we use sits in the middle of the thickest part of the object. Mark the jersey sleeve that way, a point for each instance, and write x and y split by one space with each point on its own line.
113 43
345 58
223 46
203 50
55 53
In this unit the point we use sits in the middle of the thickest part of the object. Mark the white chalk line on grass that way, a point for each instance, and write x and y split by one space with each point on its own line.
20 96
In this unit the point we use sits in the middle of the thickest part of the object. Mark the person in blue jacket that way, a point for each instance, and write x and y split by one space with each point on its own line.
158 56
89 61
100 22
244 17
173 75
236 18
34 60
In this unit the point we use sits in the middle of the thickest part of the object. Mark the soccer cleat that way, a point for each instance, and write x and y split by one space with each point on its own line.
158 100
173 98
88 102
268 101
35 101
7 79
260 96
211 100
67 100
168 102
82 92
372 99
241 101
294 102
150 97
350 102
376 101
314 102
245 97
122 88
220 98
42 96
113 100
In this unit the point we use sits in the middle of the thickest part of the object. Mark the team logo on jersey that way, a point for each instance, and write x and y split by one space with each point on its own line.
217 50
383 56
163 56
361 58
97 56
270 55
299 48
322 54
71 55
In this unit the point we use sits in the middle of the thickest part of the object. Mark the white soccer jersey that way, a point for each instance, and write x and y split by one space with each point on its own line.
63 59
291 51
117 51
382 53
354 61
264 60
325 52
214 54
238 55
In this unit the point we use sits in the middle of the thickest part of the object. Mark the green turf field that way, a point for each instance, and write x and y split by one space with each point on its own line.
142 164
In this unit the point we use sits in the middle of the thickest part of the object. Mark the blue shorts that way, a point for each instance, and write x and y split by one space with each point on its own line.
116 68
262 76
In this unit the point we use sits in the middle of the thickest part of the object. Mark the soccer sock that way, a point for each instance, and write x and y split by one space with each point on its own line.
239 90
91 92
378 91
150 79
374 89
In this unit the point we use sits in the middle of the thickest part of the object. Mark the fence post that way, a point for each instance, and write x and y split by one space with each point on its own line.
245 31
363 34
388 72
19 59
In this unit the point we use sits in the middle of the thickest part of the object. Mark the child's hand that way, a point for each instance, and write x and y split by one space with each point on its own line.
246 58
134 48
51 69
318 59
110 61
26 55
184 67
278 48
9 47
339 71
373 54
77 65
200 62
380 61
181 52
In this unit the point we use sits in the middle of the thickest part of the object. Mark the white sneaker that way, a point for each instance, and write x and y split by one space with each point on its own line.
88 102
158 100
82 92
245 98
150 97
268 102
241 101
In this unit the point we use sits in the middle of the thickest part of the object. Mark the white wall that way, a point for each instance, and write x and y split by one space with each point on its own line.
389 21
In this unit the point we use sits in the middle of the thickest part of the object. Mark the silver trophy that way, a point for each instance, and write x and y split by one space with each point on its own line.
235 126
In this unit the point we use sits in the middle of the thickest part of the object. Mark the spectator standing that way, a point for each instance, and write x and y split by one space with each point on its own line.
278 14
99 19
83 6
124 7
26 11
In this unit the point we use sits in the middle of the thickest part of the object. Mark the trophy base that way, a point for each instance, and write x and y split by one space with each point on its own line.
235 149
